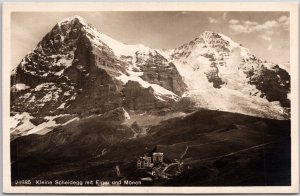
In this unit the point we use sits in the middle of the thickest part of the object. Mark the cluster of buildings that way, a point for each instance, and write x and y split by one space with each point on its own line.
149 161
159 167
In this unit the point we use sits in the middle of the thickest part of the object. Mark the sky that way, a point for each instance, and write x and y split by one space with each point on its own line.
266 34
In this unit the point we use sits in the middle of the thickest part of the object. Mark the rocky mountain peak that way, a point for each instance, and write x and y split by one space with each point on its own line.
214 65
75 66
72 19
210 35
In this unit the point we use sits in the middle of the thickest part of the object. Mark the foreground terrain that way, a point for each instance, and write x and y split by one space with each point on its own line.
216 148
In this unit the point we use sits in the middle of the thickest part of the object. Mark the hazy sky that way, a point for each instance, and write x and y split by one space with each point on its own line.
266 34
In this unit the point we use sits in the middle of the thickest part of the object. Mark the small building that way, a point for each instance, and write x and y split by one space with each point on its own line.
144 162
158 157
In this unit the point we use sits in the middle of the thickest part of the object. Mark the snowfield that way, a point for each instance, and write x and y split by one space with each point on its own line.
21 124
159 91
20 87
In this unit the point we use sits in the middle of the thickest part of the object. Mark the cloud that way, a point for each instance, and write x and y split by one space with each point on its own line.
270 47
247 22
265 30
266 37
212 20
233 21
250 26
283 19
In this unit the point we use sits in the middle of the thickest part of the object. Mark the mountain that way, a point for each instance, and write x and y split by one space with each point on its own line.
222 74
74 67
76 72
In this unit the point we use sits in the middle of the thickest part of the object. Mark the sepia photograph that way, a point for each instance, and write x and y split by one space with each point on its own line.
151 99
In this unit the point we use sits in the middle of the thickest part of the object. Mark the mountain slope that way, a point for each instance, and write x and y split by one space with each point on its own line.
76 71
214 147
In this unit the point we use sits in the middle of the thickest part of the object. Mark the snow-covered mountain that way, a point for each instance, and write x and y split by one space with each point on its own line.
76 71
222 74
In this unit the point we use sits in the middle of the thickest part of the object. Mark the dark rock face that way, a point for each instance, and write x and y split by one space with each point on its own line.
137 98
158 70
274 84
135 126
115 116
100 90
213 76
